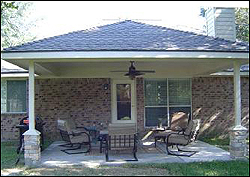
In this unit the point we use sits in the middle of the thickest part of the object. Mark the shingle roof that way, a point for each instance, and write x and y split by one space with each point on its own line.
131 36
12 70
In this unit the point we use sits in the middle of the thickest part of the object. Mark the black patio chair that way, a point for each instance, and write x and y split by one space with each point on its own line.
74 138
121 137
183 138
178 123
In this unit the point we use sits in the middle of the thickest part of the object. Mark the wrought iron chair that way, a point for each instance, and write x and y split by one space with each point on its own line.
183 138
178 123
73 138
92 130
121 137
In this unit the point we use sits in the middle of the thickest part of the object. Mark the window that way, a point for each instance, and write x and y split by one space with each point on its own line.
164 97
123 101
13 96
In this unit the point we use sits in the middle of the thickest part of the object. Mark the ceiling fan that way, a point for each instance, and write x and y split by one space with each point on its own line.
132 72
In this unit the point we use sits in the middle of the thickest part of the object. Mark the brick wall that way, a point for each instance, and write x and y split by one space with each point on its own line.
213 104
8 126
84 100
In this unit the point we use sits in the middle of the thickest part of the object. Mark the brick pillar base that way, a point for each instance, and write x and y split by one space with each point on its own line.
32 150
238 146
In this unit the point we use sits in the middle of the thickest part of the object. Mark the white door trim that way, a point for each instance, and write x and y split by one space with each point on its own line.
114 99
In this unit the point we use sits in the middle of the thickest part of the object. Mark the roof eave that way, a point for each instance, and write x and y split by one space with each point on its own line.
61 55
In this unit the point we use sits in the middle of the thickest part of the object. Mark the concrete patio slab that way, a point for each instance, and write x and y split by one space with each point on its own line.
53 156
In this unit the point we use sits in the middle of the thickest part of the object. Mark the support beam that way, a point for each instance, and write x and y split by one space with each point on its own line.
31 95
32 130
237 94
32 150
45 70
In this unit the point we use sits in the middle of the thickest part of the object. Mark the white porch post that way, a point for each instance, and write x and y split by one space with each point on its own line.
238 133
237 94
31 96
32 153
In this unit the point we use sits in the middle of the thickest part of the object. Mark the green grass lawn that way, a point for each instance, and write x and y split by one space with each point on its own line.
9 154
216 168
222 143
229 168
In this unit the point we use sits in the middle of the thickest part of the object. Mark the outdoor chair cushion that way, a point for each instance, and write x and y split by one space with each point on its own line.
179 121
182 139
177 139
122 129
74 136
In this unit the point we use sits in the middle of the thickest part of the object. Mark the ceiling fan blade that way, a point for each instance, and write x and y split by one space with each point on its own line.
118 71
146 71
134 74
127 74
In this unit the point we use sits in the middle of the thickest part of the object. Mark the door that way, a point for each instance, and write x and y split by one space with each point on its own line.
123 101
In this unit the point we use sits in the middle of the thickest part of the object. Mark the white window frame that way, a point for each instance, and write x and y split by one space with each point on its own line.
114 101
167 106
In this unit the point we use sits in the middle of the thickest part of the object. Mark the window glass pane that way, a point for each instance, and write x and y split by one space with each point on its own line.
16 97
179 92
153 115
155 92
123 101
3 95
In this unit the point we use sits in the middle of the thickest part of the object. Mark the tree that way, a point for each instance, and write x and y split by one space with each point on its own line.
202 11
7 5
242 24
15 24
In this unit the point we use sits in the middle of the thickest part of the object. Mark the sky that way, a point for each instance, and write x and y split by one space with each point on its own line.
61 17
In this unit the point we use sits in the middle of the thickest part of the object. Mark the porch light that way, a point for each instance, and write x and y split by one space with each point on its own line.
105 86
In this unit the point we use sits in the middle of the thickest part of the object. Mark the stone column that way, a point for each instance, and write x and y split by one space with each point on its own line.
32 150
238 134
238 147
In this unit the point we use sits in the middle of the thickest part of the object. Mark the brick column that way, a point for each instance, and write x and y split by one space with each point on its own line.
32 154
140 104
238 147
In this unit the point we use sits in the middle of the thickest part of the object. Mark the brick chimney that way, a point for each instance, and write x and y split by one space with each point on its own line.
220 22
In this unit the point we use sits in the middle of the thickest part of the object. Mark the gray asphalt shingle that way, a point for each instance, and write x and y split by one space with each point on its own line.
131 36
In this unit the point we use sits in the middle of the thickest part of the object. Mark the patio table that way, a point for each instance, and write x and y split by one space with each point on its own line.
92 130
154 131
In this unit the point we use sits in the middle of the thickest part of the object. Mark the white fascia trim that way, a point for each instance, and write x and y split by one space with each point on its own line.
23 75
229 74
122 54
14 75
214 74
